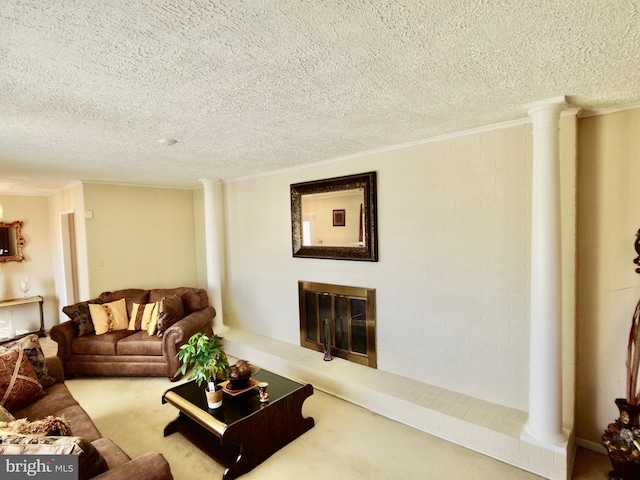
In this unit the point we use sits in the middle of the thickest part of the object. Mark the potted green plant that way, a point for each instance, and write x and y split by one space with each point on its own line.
622 438
209 362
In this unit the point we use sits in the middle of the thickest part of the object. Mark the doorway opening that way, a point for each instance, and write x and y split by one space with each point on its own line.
70 257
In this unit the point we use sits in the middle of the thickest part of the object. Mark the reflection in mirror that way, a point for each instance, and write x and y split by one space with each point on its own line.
322 212
11 242
335 218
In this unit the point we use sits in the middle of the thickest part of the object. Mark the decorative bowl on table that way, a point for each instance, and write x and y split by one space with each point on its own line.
240 375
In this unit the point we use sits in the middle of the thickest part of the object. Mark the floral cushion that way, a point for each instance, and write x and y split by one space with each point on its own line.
19 385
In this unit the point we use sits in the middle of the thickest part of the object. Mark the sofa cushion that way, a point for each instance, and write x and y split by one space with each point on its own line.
124 293
144 317
19 384
90 462
109 317
104 344
131 296
81 423
79 313
171 310
140 343
111 452
141 298
32 349
193 299
60 403
54 402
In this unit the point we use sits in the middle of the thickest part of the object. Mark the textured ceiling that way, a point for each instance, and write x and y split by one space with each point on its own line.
87 88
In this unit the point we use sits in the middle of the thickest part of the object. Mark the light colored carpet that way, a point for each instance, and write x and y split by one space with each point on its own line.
347 442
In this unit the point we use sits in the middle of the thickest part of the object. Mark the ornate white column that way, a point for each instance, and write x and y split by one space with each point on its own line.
214 247
545 364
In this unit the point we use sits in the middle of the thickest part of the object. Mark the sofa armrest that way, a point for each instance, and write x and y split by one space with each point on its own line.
63 334
180 332
54 365
151 466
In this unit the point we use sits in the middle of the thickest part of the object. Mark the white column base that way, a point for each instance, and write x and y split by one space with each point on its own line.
559 439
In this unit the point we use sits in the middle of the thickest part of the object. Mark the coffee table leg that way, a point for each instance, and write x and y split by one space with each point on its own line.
171 427
264 433
203 439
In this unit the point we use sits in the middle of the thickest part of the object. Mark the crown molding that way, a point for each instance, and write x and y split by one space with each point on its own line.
438 138
594 112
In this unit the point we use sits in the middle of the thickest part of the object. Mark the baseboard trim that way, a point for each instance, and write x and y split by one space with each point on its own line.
589 445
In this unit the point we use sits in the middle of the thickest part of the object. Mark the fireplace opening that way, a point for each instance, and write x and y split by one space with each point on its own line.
348 314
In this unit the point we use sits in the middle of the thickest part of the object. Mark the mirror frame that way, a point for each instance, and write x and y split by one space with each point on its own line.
366 181
19 256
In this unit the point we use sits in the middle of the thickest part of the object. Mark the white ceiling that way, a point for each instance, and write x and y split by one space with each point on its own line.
87 88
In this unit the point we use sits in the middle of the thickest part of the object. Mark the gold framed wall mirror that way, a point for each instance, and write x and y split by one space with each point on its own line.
335 218
11 242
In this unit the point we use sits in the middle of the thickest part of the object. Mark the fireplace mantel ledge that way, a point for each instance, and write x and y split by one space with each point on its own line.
485 427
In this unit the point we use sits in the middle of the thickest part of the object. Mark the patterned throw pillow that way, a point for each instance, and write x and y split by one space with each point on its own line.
19 385
171 310
109 317
80 314
33 351
90 462
140 298
144 317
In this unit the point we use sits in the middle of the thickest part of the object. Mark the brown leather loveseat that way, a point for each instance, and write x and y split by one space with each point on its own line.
131 351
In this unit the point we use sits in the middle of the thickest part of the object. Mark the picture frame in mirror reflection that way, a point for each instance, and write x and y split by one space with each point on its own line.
348 202
338 218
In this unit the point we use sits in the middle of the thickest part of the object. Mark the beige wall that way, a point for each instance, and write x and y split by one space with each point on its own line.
139 237
38 265
608 287
454 245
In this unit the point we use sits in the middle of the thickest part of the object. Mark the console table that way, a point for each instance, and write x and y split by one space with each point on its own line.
25 301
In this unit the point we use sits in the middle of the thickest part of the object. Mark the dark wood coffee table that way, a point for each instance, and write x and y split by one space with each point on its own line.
243 432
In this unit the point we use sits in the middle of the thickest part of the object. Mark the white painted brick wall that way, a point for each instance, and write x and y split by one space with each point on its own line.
452 282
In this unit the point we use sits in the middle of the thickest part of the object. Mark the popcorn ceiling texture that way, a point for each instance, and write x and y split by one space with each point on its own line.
88 88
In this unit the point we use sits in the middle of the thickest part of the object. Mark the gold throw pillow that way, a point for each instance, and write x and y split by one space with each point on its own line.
109 317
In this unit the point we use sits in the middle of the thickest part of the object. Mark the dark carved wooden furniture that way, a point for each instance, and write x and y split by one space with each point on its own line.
243 432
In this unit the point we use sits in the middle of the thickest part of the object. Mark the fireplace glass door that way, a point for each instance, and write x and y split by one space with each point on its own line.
350 314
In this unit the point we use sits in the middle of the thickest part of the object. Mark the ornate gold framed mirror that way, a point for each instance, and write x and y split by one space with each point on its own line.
11 242
335 218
